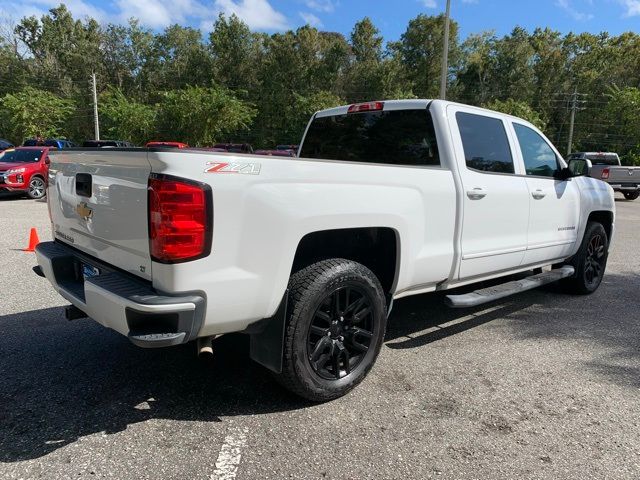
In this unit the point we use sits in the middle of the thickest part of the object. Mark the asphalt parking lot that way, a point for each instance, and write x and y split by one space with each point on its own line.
543 385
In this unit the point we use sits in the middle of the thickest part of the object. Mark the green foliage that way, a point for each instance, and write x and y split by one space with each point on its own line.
201 116
122 118
153 84
623 112
517 109
34 113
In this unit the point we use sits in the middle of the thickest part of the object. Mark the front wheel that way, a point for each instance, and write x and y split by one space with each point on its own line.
631 195
335 330
36 188
590 262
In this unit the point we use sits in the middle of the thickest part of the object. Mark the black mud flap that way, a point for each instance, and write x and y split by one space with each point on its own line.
267 338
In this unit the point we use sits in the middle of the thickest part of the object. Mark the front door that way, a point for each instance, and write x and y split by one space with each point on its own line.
495 194
555 204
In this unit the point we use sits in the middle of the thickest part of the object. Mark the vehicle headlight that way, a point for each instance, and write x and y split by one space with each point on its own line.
15 170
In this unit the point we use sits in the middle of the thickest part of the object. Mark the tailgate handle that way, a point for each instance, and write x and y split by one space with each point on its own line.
83 184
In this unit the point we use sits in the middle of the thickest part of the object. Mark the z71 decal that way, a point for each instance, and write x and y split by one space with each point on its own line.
233 167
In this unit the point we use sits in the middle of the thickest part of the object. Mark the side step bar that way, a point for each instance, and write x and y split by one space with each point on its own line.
497 292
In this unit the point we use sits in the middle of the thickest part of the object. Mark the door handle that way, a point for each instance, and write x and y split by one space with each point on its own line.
477 193
538 194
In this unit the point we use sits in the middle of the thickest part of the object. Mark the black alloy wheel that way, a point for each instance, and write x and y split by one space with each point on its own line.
340 332
335 328
595 260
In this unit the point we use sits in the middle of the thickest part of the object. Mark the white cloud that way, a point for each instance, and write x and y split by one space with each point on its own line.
311 19
327 6
429 3
573 13
78 8
632 7
258 14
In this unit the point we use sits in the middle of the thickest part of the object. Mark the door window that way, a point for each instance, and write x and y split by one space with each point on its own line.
485 143
539 158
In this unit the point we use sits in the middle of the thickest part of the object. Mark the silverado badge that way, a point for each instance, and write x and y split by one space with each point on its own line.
84 211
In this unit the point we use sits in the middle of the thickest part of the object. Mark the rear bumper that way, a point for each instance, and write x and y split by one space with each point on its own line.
625 187
121 301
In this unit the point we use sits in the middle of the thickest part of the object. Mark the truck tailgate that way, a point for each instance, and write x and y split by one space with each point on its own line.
98 204
622 175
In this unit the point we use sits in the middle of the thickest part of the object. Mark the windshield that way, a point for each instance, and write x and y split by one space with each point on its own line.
20 156
397 137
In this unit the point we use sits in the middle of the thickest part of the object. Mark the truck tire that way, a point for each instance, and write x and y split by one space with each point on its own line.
37 188
590 262
335 329
631 195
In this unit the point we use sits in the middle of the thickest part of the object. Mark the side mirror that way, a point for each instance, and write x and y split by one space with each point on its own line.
579 167
47 161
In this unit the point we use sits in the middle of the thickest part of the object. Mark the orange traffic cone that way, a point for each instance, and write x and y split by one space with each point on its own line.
33 241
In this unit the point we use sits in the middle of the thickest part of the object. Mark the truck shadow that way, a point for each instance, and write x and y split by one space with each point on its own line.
62 381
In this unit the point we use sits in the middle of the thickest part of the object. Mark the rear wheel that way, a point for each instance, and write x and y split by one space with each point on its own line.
631 195
590 262
36 188
335 330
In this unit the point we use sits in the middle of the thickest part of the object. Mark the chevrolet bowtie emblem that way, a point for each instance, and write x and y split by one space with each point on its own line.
84 211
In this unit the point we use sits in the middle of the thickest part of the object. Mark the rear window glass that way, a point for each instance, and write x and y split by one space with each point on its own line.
485 143
20 156
603 159
397 137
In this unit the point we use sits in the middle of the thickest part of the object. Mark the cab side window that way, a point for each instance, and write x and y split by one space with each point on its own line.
539 158
485 143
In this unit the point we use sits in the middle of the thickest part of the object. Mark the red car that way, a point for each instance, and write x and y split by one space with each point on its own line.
24 169
166 145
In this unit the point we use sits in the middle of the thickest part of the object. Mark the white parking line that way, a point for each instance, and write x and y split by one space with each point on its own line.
230 454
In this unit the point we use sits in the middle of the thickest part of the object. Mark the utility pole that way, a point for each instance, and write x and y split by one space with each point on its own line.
445 54
96 122
574 107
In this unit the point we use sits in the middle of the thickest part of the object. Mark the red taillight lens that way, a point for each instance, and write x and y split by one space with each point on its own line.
366 107
605 174
180 214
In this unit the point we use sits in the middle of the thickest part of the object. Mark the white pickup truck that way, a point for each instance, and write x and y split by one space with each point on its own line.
306 255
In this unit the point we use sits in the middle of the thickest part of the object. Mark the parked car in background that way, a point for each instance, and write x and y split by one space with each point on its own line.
607 167
166 145
24 169
107 144
59 143
4 144
234 147
276 153
288 147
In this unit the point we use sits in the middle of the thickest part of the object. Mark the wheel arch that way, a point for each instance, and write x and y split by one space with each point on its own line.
605 218
377 248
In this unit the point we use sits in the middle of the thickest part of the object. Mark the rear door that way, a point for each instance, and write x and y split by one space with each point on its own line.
555 204
98 203
495 196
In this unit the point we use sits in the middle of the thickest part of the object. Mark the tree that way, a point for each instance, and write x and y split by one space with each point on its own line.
623 113
420 53
517 109
34 113
124 119
202 115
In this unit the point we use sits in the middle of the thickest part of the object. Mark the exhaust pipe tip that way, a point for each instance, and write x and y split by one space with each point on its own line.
205 347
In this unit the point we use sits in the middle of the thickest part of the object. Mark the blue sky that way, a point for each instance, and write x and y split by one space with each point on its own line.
391 16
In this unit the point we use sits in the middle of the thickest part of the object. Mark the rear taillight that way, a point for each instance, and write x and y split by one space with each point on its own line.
605 174
180 219
366 107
